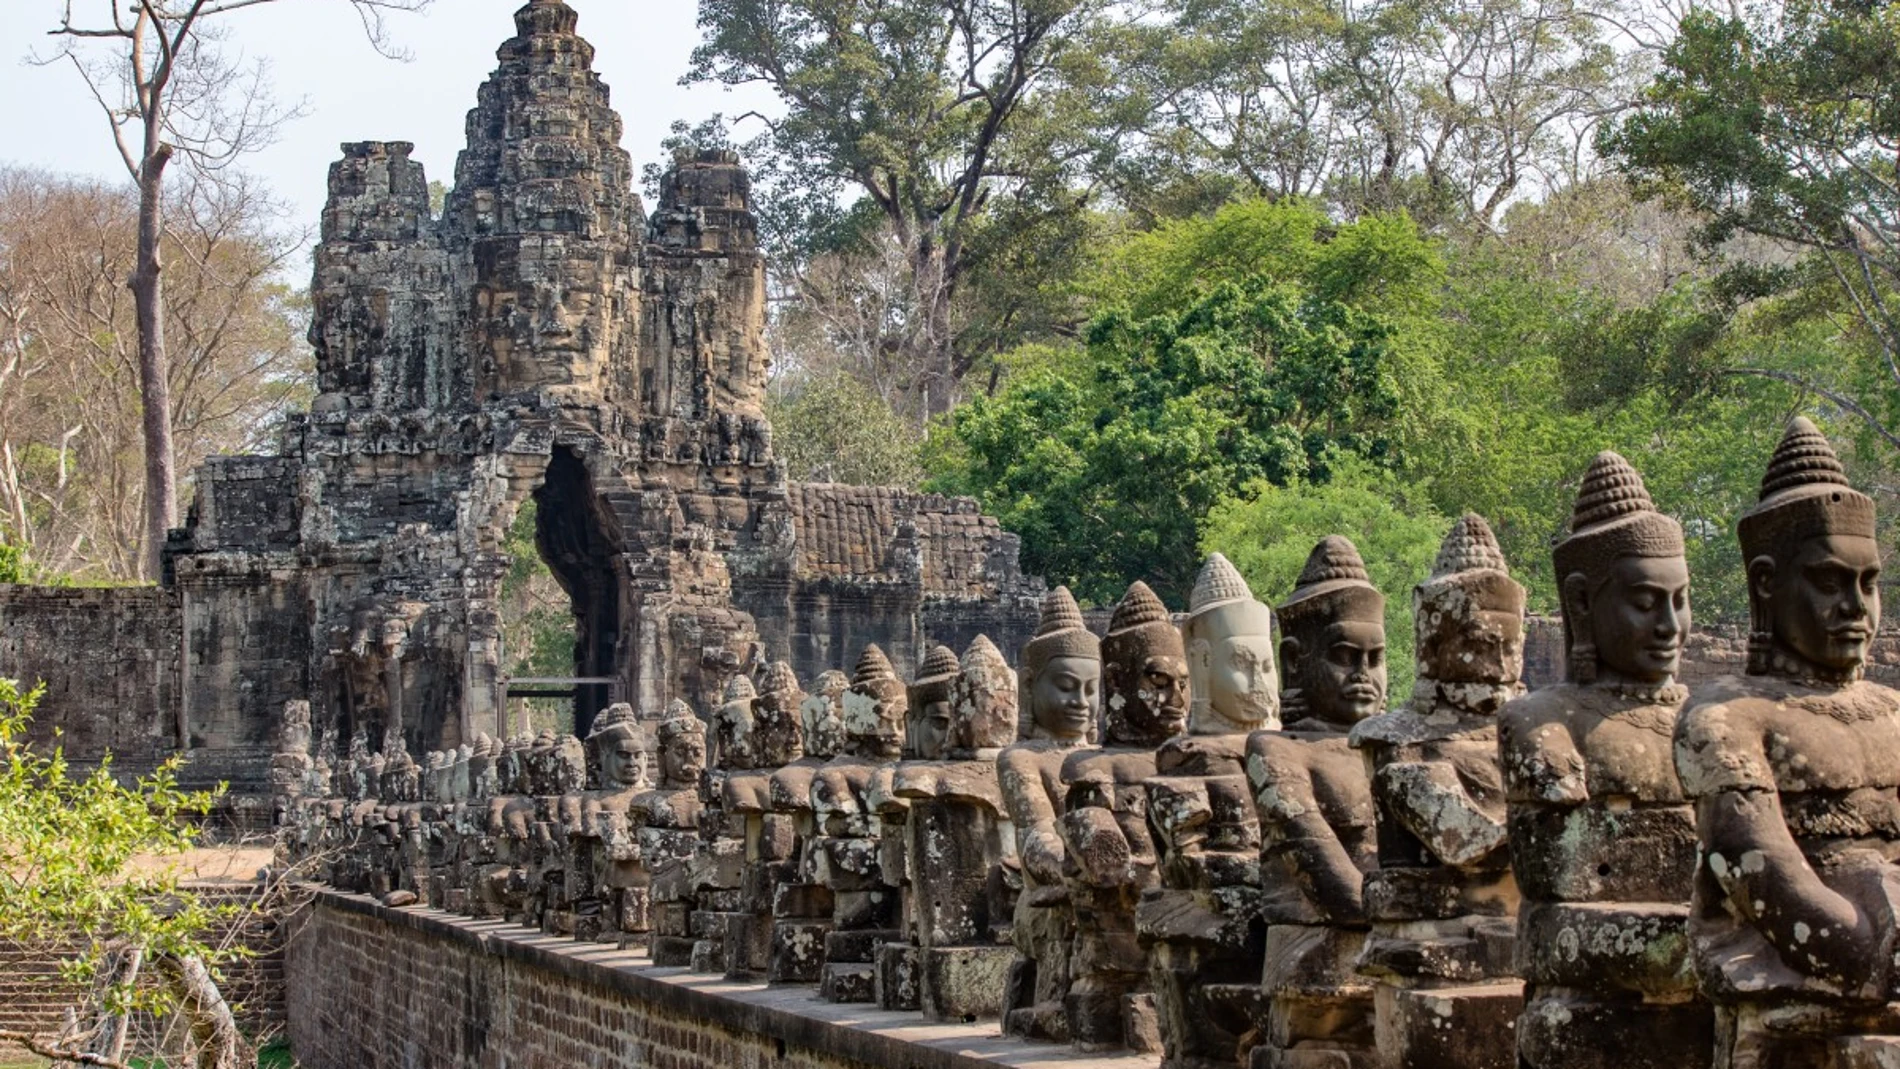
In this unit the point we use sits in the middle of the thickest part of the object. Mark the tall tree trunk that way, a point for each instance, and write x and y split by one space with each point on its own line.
148 296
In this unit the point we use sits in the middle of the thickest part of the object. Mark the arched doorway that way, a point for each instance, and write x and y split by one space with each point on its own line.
555 655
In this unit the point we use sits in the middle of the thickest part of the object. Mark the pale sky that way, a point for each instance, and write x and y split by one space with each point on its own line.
319 55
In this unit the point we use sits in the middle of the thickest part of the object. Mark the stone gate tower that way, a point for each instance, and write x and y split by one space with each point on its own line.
545 338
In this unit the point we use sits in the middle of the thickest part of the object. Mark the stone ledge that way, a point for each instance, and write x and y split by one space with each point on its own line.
792 1015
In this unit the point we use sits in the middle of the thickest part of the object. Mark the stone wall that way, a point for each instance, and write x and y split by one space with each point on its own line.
375 988
109 659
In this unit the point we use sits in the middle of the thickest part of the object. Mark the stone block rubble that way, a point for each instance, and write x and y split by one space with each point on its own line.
1211 838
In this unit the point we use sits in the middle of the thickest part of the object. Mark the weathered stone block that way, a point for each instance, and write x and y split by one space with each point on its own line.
966 983
898 979
797 952
1469 1027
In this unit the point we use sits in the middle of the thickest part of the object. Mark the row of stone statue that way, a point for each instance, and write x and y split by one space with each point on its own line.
1160 840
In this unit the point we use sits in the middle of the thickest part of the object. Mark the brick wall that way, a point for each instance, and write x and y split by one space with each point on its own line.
33 997
372 988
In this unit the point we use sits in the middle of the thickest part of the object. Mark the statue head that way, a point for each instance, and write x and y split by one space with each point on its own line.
875 708
1813 564
777 732
1623 581
483 778
983 701
1229 641
1144 673
619 747
929 700
734 725
1469 612
1332 645
821 714
682 747
1061 679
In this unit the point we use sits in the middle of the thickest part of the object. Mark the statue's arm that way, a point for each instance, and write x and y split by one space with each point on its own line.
1033 812
1749 851
1290 812
1430 799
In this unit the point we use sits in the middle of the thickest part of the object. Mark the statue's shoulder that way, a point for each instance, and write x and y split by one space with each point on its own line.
1394 727
1719 739
1543 715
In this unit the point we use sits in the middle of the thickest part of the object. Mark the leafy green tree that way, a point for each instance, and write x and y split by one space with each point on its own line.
916 106
82 864
1241 350
832 429
1268 531
1781 123
12 564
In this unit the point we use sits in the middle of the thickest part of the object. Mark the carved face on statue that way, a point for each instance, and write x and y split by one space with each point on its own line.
1623 580
1470 612
1824 603
1144 673
1813 564
875 708
1229 641
1064 697
983 700
1637 617
1061 678
930 706
1334 650
682 748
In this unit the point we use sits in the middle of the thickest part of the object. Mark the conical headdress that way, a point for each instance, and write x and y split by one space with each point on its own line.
1804 494
872 666
1333 584
1614 518
1470 560
618 716
779 679
941 664
1139 607
1060 634
1470 546
1219 583
740 688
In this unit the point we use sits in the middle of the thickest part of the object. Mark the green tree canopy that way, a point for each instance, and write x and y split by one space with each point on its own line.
1238 349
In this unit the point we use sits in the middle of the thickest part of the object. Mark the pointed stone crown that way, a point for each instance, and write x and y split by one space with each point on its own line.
872 666
616 717
1060 634
1468 547
779 679
1334 584
739 688
1219 583
680 720
982 653
941 664
1614 518
1139 607
1470 559
1804 494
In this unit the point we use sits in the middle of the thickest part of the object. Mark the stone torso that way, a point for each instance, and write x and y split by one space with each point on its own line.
1295 773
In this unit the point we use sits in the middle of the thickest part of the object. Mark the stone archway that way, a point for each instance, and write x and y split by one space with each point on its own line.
574 543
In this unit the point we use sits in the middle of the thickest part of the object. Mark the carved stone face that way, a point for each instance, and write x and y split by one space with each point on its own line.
1638 617
874 718
1824 602
622 760
1147 700
683 760
1065 696
1343 679
1243 686
1470 643
931 725
735 724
